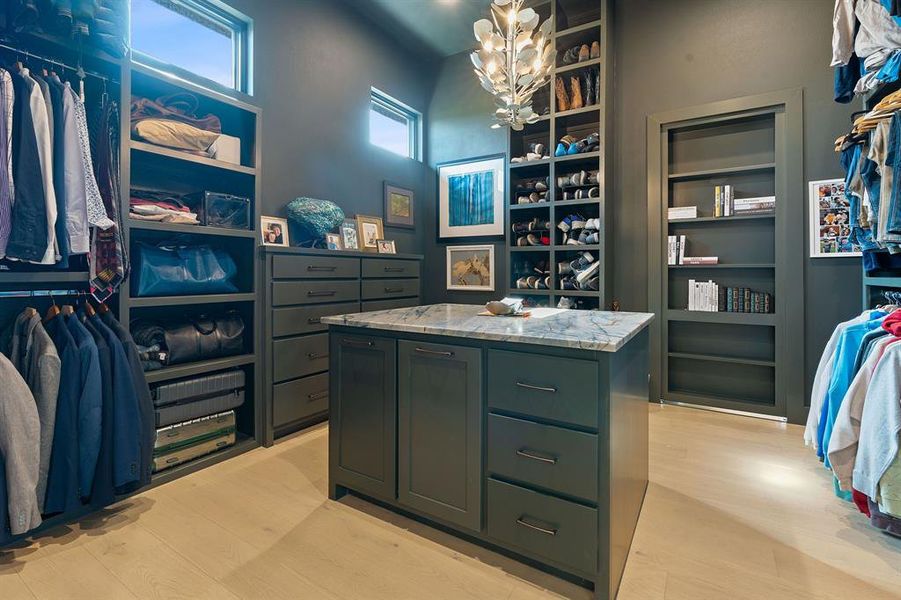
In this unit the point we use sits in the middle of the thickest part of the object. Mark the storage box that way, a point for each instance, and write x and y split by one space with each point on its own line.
222 210
227 149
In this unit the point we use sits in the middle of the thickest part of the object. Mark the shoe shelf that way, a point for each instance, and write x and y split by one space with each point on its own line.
569 158
594 62
530 163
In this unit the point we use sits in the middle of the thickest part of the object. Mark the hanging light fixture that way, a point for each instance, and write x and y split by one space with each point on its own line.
514 61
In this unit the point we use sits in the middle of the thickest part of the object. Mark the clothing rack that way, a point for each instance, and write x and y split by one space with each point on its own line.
41 293
80 71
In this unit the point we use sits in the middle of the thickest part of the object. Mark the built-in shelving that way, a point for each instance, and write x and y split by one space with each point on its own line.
195 300
726 219
199 368
191 158
180 228
721 171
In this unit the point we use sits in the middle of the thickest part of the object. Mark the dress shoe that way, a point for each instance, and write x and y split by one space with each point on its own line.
595 50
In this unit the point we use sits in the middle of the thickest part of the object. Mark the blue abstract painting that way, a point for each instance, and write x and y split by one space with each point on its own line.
471 199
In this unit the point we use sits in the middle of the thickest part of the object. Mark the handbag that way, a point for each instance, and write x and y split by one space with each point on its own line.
173 270
203 337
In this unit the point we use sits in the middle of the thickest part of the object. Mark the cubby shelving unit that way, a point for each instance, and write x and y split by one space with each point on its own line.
738 361
574 22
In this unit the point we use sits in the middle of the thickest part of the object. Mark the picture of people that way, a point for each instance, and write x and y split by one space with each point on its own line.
274 231
830 228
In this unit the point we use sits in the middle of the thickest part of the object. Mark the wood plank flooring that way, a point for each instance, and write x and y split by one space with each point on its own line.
736 509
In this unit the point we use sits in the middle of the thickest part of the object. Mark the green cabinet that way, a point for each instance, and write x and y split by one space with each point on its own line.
440 431
363 411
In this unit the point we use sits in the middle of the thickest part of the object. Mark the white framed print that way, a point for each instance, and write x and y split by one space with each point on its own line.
273 231
471 198
830 220
470 268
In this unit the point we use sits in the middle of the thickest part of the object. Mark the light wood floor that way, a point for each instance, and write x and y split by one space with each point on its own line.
737 509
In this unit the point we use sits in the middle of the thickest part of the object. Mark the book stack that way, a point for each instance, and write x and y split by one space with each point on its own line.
744 300
723 201
755 206
679 213
703 296
675 254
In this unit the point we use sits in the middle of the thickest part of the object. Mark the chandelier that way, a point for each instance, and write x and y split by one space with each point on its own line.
514 60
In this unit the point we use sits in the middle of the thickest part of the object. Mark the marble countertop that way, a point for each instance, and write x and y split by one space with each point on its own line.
581 329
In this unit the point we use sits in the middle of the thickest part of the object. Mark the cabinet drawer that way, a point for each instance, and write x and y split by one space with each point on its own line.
299 357
561 532
315 267
374 268
557 389
313 292
306 319
390 288
299 399
372 305
555 458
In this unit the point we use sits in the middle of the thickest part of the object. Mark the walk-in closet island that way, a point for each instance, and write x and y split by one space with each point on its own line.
526 434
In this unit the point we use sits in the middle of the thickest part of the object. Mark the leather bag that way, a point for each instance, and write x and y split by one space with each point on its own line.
202 338
173 270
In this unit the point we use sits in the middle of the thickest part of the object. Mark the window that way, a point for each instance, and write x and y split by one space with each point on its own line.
394 126
199 37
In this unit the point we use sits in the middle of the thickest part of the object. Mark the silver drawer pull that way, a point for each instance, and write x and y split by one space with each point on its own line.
394 269
317 395
315 320
315 268
436 352
393 290
526 454
543 530
539 388
313 293
314 356
360 343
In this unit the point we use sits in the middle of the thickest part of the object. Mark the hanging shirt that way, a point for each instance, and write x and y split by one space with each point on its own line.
45 157
889 499
96 211
880 423
72 171
7 99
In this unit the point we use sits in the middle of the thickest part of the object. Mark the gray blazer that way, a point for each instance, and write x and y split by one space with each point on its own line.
33 354
20 427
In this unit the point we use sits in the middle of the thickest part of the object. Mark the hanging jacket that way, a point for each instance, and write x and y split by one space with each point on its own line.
41 120
20 430
7 187
90 405
880 424
103 490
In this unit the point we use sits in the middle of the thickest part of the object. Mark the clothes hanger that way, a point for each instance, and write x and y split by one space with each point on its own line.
88 308
52 311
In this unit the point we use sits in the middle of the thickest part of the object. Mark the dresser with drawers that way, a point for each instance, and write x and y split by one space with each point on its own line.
301 286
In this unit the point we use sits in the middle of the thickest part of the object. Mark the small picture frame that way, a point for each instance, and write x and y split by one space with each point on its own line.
273 231
830 220
386 246
399 207
333 241
369 231
349 235
470 268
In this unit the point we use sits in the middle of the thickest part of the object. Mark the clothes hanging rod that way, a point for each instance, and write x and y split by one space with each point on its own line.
56 62
41 293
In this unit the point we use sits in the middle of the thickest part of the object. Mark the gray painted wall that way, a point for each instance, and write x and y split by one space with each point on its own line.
675 54
314 63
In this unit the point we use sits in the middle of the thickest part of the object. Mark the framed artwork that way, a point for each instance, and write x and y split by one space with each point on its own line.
471 198
386 247
398 207
369 231
274 231
333 241
470 268
349 234
830 217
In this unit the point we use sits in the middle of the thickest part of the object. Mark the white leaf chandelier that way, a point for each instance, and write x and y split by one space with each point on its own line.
513 63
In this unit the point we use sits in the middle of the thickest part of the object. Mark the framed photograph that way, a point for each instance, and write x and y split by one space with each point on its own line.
470 268
471 198
369 231
830 216
398 207
349 235
386 247
333 241
274 231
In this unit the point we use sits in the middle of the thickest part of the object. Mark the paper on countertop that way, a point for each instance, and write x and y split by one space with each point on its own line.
541 313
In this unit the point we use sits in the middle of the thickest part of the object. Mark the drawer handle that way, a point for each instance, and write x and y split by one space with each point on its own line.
317 395
543 530
315 320
394 269
359 343
526 454
313 293
314 356
539 388
435 352
317 268
393 290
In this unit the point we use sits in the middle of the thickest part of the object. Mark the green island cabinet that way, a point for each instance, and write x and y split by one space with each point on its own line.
504 434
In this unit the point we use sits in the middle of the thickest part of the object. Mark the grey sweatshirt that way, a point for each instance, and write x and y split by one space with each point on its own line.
879 423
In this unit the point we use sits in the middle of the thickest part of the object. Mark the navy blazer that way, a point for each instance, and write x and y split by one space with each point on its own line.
103 491
90 405
63 493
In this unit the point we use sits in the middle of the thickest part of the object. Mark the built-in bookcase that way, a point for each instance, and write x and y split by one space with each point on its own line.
576 22
730 360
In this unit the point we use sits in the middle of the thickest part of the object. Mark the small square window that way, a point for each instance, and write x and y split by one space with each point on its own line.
393 125
199 37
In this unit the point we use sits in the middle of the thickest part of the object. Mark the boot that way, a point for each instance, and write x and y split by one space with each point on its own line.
588 89
562 98
576 88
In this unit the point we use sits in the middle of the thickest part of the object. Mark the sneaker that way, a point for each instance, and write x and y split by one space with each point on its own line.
589 272
564 267
589 237
593 224
565 302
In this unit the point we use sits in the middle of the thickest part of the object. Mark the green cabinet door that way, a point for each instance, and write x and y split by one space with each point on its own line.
363 413
440 431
